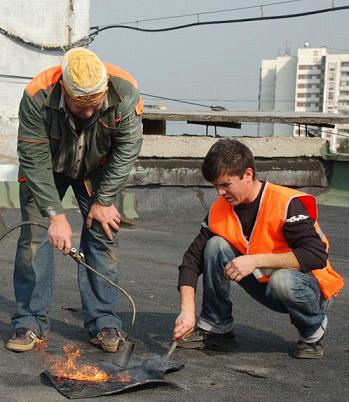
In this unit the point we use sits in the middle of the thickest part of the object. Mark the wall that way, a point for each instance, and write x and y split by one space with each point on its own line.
59 22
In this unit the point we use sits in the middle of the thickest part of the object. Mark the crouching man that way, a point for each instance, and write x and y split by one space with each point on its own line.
265 238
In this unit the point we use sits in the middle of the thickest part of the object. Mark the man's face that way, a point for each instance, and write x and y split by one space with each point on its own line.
235 190
81 110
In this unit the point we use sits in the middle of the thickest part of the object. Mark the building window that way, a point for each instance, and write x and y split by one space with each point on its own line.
300 104
301 76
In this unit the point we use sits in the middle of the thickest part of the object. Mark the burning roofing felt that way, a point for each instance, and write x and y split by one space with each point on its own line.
69 368
76 379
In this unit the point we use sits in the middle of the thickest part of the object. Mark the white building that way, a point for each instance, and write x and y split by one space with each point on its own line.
277 92
312 81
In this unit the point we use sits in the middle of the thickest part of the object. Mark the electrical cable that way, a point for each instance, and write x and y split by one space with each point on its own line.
86 40
98 30
188 101
79 258
177 100
171 17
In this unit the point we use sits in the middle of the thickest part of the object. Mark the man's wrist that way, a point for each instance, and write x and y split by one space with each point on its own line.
58 218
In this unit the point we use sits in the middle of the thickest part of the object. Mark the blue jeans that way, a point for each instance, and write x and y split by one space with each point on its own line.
288 291
34 267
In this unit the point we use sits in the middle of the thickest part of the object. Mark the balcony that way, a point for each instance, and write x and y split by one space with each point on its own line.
308 90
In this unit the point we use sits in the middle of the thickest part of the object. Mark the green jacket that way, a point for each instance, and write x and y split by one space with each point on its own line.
115 138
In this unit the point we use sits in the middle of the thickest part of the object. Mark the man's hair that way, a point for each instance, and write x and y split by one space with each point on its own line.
227 156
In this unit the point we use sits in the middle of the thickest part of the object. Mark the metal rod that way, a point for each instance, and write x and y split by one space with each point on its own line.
78 257
171 350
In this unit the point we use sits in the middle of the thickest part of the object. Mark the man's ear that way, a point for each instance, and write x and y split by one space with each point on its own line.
248 174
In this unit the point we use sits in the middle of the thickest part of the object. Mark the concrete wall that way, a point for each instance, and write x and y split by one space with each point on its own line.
60 22
175 161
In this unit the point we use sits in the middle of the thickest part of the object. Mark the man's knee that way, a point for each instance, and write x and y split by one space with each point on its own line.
283 283
217 245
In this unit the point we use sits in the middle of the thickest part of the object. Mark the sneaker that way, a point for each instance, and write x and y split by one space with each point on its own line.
201 339
23 340
304 350
107 338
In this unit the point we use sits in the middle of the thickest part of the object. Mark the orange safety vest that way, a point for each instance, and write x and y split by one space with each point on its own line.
267 234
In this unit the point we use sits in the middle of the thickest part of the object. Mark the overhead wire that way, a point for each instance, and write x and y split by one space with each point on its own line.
194 102
96 30
198 14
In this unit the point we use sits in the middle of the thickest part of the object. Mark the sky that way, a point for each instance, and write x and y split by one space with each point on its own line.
215 64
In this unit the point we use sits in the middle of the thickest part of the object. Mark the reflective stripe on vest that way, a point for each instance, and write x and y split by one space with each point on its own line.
268 237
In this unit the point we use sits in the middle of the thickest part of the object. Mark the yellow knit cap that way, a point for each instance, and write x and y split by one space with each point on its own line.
84 74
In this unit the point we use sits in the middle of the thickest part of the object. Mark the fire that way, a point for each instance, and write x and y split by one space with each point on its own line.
41 345
69 368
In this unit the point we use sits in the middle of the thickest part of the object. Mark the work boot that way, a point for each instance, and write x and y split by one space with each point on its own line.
23 340
304 350
225 343
201 339
107 338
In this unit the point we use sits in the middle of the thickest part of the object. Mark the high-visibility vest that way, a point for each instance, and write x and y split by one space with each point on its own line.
267 234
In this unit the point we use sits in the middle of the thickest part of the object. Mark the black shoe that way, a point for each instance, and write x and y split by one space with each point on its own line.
304 350
194 340
225 343
107 338
201 339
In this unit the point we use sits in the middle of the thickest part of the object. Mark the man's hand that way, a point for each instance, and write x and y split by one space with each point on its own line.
108 217
60 233
184 324
185 321
240 267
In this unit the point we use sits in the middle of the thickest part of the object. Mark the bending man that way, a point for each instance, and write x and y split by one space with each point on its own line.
80 126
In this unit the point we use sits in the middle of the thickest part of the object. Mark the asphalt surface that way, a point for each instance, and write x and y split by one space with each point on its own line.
261 369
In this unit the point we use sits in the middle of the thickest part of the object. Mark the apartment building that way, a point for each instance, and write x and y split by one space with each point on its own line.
312 81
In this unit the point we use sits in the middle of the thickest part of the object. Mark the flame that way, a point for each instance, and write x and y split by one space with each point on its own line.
41 344
69 368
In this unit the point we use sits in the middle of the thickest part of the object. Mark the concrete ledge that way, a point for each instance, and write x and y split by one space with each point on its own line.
176 161
307 172
160 146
